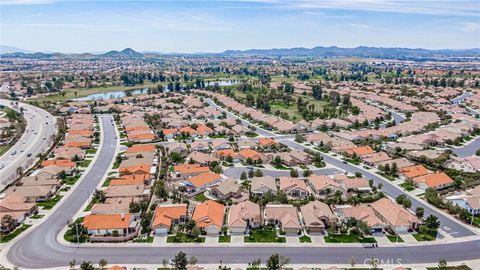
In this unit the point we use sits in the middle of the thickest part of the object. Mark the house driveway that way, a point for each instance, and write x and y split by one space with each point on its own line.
236 239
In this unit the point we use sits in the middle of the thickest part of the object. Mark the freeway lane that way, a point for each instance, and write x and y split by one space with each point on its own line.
36 139
452 227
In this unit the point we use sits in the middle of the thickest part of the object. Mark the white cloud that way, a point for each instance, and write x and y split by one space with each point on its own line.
25 2
431 7
469 27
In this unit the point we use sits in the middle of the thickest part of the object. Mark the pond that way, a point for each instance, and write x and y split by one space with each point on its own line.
114 94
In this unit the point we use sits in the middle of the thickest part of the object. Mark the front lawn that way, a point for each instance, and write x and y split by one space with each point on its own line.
264 235
184 238
15 233
37 216
106 183
353 161
348 238
200 197
407 186
281 167
393 238
224 239
71 236
305 239
71 180
50 203
459 267
149 239
424 237
91 151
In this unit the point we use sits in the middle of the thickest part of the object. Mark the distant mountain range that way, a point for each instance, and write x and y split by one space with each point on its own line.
328 52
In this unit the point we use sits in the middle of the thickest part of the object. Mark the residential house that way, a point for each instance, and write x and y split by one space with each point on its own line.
244 216
262 185
284 216
317 217
208 216
101 225
166 216
399 219
294 187
439 180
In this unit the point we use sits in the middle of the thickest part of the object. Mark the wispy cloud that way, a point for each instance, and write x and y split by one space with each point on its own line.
25 2
469 27
431 7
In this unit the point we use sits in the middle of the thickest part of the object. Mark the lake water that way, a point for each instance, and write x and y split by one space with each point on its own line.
114 94
120 94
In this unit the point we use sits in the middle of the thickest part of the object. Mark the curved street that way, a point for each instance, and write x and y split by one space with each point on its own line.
35 140
39 248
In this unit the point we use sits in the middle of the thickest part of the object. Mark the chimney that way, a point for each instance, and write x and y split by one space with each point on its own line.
122 216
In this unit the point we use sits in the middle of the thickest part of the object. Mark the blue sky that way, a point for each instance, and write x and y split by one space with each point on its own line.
213 26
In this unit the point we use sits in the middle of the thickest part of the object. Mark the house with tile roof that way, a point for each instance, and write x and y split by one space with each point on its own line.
166 216
208 216
244 216
283 216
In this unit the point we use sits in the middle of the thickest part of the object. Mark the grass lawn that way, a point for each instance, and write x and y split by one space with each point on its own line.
348 238
106 183
251 134
305 239
149 239
224 239
89 206
37 216
82 92
424 237
389 177
291 110
85 163
393 238
281 167
353 161
71 236
50 203
459 267
71 180
15 233
200 197
264 236
184 238
91 151
407 186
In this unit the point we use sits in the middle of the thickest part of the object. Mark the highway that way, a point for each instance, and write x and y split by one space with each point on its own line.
36 139
39 247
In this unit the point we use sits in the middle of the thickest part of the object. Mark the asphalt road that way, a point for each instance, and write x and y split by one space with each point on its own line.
451 227
237 171
41 242
39 248
469 149
36 139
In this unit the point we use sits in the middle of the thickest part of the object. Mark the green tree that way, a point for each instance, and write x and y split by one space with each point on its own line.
273 262
180 261
442 264
419 212
87 266
432 222
102 263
